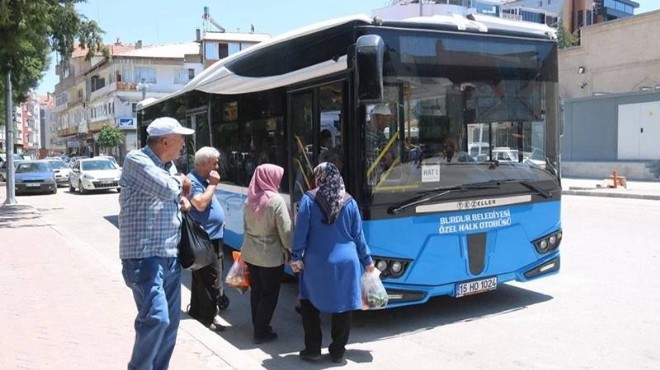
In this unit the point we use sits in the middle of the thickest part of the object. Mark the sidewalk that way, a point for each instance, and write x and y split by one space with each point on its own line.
597 188
65 305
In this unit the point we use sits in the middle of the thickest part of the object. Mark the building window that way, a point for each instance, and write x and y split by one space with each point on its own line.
134 107
223 51
181 76
191 73
580 18
211 51
145 74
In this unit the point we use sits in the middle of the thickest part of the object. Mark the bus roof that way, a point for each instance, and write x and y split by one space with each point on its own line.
221 78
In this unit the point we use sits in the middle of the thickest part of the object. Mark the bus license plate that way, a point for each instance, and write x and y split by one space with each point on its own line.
474 287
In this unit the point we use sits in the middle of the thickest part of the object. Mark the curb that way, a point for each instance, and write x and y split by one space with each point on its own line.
610 195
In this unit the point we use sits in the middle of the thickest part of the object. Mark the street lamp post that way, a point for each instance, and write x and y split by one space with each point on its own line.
9 140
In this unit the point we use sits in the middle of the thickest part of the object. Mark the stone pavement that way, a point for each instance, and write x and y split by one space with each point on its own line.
65 306
599 188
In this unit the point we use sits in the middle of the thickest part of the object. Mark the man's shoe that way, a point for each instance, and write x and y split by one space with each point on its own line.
266 338
309 355
216 327
338 359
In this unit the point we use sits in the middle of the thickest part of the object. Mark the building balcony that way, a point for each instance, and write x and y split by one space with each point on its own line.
97 126
112 87
67 131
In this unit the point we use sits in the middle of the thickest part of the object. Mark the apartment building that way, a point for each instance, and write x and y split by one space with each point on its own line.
574 13
97 93
47 129
610 88
116 86
403 9
71 98
26 135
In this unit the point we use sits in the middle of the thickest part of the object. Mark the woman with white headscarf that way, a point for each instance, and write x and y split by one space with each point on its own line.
266 245
329 251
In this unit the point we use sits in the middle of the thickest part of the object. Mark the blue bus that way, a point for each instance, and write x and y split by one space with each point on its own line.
405 100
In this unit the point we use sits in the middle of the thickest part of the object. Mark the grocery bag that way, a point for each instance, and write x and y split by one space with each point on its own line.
238 275
374 295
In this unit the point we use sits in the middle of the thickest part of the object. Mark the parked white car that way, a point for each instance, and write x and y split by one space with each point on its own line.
61 170
94 174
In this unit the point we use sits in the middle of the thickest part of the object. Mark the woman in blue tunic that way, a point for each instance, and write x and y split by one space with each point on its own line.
329 251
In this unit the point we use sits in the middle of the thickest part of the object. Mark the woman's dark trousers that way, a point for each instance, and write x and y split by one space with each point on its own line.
340 329
264 294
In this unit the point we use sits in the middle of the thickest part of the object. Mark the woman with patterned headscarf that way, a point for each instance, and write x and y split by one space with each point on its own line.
329 251
266 245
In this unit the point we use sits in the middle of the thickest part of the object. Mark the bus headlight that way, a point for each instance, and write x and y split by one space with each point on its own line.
390 267
548 243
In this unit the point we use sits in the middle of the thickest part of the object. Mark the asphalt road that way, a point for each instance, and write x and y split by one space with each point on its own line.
601 311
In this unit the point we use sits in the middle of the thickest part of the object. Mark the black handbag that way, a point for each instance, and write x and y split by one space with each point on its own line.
195 248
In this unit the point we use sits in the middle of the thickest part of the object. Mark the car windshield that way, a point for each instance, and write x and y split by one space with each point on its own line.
58 165
32 167
97 165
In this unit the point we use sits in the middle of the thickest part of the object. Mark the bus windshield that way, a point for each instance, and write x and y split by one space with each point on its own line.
460 111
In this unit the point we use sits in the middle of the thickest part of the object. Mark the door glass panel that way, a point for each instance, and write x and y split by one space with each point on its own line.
329 139
302 127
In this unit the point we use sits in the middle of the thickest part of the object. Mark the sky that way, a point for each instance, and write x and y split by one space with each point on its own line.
158 22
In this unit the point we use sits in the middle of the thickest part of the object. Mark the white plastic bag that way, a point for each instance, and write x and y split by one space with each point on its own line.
374 295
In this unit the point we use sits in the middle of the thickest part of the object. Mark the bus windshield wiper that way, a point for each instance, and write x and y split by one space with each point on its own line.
542 192
441 191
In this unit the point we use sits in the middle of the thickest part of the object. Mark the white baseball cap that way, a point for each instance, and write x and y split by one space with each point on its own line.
381 109
167 125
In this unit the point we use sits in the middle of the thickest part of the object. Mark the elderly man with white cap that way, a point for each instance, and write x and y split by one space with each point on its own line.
375 140
153 194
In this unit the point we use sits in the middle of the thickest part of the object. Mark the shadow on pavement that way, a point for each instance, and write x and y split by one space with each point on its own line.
368 326
19 216
113 219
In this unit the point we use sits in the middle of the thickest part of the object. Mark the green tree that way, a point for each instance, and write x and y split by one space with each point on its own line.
30 30
566 39
110 137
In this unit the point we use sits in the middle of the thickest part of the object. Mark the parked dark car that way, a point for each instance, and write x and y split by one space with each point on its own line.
35 177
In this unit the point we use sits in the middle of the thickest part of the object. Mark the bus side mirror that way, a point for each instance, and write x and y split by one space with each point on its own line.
369 55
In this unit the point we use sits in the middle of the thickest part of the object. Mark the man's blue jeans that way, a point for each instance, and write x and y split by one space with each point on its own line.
156 286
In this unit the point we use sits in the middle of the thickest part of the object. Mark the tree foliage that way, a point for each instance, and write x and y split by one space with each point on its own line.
566 39
110 137
30 30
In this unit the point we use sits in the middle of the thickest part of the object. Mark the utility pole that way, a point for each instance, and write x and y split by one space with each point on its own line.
9 139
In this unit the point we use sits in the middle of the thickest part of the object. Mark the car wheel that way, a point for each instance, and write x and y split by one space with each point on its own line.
118 190
55 190
81 188
72 189
2 178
